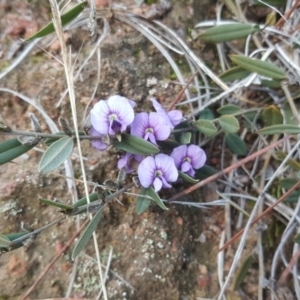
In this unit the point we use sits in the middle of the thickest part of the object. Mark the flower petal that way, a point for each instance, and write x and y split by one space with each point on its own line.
165 184
125 162
121 107
178 154
175 117
146 171
160 126
185 167
166 164
99 117
139 125
197 156
157 184
98 144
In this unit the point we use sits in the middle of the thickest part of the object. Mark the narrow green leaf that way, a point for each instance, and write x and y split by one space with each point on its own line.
294 164
229 124
281 128
65 19
56 154
12 149
15 235
205 172
228 32
135 145
271 116
4 241
235 144
185 138
187 177
156 198
56 204
206 127
241 274
142 203
229 109
87 233
257 66
234 73
83 201
274 83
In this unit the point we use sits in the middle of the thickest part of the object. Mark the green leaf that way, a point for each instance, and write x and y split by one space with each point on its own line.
294 164
187 177
4 241
229 109
142 203
83 201
65 19
274 83
257 66
228 32
56 204
235 73
241 274
206 127
12 149
206 114
87 233
205 172
229 124
135 145
185 138
271 116
281 128
235 144
56 154
156 198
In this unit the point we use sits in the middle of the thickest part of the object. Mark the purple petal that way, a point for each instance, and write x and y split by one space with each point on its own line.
125 162
121 107
165 184
175 117
146 171
160 126
99 117
98 144
139 125
157 184
185 167
157 106
178 154
197 156
166 164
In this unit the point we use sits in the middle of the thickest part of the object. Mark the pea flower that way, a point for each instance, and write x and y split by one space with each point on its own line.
173 117
98 144
113 115
150 127
129 162
157 171
188 158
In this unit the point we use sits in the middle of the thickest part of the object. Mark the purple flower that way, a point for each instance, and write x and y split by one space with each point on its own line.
98 144
188 158
150 127
157 171
129 162
112 116
173 117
